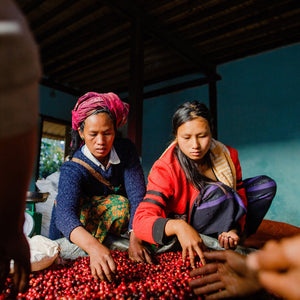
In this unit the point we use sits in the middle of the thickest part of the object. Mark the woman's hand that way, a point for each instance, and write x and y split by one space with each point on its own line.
229 240
101 261
15 248
189 239
137 251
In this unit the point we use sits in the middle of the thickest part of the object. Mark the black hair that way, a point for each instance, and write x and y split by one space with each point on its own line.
188 112
76 140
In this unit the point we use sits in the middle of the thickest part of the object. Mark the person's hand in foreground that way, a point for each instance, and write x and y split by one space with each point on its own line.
137 252
228 277
188 238
15 248
278 267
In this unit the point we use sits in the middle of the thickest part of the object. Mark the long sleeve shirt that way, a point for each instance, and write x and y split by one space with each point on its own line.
76 181
168 191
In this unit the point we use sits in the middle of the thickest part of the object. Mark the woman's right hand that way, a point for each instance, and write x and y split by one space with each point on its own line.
189 239
102 263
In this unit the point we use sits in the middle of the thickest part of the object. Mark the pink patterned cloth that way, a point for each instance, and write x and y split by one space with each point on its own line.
92 101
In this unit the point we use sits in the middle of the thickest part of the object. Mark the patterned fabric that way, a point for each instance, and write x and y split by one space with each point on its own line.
103 215
218 210
223 166
92 101
260 191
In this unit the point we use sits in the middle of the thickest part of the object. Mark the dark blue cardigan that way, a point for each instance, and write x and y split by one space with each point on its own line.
76 181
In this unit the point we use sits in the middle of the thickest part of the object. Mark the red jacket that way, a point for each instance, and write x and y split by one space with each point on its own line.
167 194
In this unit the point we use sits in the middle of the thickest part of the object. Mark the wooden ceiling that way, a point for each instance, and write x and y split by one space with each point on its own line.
90 45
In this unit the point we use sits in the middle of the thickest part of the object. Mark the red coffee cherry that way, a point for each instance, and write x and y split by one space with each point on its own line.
166 279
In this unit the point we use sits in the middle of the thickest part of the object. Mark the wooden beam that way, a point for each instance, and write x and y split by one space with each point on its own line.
76 50
170 39
60 87
29 7
259 12
213 106
52 14
174 88
136 85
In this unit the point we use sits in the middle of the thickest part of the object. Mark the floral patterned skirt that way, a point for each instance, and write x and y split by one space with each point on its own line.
101 215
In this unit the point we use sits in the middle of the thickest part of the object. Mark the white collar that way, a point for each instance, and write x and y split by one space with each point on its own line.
113 157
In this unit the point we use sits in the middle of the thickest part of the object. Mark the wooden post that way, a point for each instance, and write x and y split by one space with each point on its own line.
213 106
136 85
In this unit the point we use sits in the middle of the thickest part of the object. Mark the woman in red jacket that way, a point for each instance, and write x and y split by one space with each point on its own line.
196 187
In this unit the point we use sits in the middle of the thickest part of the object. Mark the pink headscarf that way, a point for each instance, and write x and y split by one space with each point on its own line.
92 101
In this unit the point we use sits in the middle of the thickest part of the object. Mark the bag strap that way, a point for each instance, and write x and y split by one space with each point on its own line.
96 174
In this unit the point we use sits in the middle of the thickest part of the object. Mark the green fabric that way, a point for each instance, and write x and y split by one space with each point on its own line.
101 215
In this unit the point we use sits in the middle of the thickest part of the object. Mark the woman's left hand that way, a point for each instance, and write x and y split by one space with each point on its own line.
137 251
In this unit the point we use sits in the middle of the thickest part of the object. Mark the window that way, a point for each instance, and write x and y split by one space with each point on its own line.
55 135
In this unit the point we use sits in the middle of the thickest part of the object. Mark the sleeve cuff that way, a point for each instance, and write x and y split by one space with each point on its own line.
158 231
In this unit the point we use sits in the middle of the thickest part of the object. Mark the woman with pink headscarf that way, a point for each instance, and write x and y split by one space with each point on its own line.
100 185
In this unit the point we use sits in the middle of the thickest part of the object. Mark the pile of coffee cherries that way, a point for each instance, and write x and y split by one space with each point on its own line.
167 278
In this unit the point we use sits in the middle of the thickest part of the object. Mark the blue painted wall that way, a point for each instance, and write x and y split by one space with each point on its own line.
258 114
56 104
157 122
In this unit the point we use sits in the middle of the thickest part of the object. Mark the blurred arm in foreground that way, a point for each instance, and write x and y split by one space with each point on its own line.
20 73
